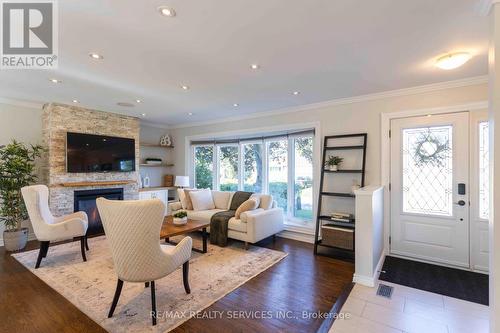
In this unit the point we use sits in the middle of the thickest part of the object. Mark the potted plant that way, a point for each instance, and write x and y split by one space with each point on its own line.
17 164
333 162
180 218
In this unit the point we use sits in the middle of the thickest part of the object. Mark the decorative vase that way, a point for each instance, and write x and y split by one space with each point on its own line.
15 240
180 220
334 167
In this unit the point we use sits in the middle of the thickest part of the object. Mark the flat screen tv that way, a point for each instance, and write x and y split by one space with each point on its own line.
99 153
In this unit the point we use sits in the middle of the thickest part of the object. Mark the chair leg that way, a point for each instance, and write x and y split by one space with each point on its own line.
153 303
82 246
44 247
86 243
185 277
118 291
146 284
246 245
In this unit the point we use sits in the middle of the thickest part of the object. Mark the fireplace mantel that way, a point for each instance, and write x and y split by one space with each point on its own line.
97 183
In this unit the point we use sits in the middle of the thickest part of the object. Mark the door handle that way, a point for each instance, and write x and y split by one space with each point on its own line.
460 203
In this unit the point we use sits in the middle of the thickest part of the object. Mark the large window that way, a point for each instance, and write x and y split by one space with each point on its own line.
281 166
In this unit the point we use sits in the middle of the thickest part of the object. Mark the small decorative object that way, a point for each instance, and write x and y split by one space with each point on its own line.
153 160
333 162
180 218
166 140
17 169
430 150
168 180
146 182
182 181
355 186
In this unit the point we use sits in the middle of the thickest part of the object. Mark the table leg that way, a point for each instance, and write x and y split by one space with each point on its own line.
167 240
204 236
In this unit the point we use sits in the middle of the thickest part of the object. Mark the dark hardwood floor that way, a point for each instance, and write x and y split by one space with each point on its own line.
300 282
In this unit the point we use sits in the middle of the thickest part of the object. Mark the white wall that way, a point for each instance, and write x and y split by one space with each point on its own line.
20 123
339 119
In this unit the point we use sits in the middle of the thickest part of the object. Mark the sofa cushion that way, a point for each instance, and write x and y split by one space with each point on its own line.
202 215
237 225
221 199
189 203
244 216
266 200
202 200
249 204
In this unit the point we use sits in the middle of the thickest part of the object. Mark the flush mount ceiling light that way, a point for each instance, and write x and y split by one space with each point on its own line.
55 81
190 114
96 56
138 100
296 93
453 60
254 66
166 11
75 101
236 105
185 87
143 114
125 104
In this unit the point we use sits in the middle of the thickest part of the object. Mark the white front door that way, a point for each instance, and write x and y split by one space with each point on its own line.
430 189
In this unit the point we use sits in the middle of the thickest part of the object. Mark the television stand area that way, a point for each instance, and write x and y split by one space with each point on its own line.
98 183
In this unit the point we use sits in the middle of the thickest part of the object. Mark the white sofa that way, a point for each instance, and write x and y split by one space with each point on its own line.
251 227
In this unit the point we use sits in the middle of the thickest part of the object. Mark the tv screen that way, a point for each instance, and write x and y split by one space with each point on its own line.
98 153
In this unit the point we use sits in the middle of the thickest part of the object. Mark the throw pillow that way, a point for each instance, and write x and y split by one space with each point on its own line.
189 203
250 204
182 197
202 200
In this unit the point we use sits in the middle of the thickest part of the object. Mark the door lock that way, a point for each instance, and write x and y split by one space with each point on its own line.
461 203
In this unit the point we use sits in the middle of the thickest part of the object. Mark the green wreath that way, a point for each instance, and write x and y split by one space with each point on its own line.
430 150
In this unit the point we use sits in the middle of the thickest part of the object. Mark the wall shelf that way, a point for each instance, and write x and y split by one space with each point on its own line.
154 145
163 165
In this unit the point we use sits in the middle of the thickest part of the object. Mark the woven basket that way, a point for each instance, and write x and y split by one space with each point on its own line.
338 237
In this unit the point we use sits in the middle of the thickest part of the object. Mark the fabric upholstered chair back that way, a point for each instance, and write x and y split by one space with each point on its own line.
36 199
133 231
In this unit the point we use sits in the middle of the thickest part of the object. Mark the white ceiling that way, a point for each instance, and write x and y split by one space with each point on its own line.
325 49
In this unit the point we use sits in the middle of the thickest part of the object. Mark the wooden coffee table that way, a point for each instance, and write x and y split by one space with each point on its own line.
169 229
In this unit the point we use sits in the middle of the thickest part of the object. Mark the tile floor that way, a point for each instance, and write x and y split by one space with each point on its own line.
410 311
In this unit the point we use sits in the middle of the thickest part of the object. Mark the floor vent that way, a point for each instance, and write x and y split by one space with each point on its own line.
384 290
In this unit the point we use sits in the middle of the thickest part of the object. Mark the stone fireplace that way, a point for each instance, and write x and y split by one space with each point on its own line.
57 120
86 201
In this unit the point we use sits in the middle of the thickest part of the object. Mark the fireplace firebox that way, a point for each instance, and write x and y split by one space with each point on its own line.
85 201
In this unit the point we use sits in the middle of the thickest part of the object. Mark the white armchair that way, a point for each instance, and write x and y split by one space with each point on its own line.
48 228
133 231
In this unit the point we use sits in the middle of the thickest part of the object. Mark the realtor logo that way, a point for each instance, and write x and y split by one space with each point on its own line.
29 39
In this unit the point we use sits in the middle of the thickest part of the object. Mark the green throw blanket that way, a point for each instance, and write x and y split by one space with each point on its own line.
219 221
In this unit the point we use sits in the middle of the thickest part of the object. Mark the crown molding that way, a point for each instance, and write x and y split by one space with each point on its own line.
484 6
155 125
21 103
476 80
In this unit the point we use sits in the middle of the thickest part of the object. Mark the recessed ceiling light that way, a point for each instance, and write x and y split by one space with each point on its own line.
254 66
75 101
453 60
166 11
296 93
143 114
95 56
138 101
125 104
185 87
236 105
55 81
190 114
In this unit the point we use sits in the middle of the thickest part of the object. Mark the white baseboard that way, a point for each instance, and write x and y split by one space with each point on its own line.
298 236
370 281
31 236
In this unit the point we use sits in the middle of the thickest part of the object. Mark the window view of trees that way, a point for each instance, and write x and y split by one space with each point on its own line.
228 168
294 197
204 166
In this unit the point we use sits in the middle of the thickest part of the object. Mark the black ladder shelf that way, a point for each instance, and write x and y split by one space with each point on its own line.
321 217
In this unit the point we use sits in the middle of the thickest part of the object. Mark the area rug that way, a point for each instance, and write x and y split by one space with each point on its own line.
90 285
